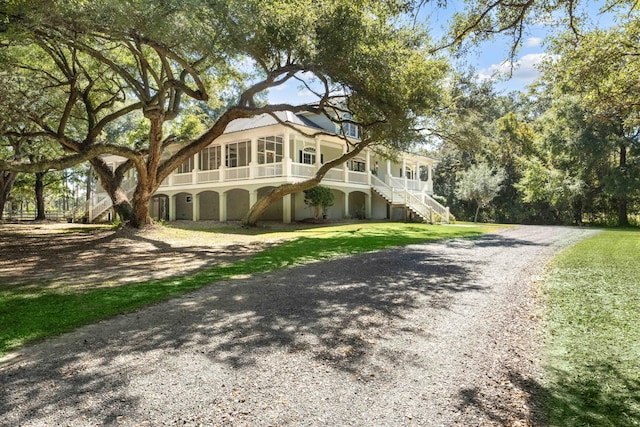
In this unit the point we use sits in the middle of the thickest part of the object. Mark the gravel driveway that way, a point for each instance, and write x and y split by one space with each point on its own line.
434 334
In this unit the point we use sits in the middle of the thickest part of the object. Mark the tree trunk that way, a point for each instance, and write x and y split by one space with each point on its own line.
112 185
475 217
6 184
148 172
88 183
121 205
140 216
256 211
39 190
623 200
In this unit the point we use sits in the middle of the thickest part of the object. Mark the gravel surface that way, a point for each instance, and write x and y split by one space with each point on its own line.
435 334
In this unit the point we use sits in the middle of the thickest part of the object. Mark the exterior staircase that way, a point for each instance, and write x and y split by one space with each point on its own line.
95 210
418 203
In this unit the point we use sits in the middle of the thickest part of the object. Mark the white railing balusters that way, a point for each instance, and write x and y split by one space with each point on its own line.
426 207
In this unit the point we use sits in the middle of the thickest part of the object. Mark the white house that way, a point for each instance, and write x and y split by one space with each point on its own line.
254 155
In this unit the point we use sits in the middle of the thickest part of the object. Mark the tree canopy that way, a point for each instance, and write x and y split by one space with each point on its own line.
93 64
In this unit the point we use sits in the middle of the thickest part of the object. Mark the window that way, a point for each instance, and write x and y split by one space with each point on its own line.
409 173
350 130
186 167
308 155
238 154
210 158
270 149
357 165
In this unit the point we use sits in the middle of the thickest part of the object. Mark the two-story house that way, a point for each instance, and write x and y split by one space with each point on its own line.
254 155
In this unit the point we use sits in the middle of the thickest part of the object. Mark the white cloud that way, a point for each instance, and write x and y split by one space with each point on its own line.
524 69
533 42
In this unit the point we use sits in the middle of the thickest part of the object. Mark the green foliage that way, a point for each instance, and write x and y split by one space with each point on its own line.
33 312
480 184
320 198
600 70
91 65
593 354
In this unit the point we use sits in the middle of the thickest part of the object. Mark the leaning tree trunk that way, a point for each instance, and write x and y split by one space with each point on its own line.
112 186
39 190
6 184
475 217
256 211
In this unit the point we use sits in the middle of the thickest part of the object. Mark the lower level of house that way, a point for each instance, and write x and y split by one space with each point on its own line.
362 198
231 204
372 200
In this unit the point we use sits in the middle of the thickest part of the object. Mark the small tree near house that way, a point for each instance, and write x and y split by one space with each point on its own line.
320 198
480 184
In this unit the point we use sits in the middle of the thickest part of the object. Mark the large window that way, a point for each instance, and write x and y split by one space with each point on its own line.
270 149
210 158
357 165
238 154
186 167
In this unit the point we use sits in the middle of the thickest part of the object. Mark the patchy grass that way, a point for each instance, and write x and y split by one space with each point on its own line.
593 364
30 312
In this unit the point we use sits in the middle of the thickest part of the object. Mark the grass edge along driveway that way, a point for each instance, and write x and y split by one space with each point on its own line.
29 313
593 327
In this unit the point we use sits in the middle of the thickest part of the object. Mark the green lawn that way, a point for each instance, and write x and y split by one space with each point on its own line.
593 358
29 313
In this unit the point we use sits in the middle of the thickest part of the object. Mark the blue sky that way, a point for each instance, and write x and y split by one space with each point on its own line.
488 59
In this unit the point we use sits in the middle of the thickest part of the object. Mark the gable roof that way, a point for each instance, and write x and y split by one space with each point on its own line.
265 119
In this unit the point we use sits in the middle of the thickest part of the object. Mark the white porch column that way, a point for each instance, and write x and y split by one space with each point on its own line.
286 209
368 166
388 181
345 165
404 171
367 205
286 153
223 206
429 179
346 213
223 162
196 168
318 155
172 208
195 206
253 164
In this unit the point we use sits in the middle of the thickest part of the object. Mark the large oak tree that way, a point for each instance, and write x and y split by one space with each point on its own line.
113 58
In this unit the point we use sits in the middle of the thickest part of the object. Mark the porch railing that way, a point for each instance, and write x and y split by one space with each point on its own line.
422 204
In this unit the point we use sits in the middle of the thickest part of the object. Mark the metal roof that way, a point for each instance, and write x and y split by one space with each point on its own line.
265 119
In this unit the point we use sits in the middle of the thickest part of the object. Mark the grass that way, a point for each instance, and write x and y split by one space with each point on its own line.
593 363
29 313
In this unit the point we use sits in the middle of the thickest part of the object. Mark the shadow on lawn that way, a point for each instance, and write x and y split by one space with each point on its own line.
606 396
332 313
104 257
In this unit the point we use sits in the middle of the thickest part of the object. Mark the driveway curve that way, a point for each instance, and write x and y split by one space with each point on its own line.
434 334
